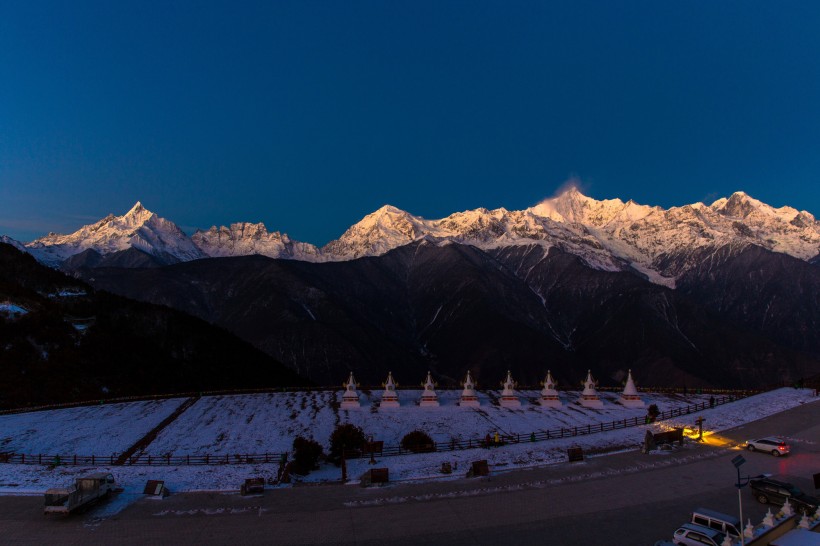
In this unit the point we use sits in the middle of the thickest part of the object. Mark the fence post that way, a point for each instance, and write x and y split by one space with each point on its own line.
75 459
92 459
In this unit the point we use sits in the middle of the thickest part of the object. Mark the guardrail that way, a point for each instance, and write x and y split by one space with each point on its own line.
386 451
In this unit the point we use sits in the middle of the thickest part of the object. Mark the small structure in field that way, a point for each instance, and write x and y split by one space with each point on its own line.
589 396
252 486
629 398
549 396
429 399
390 399
350 398
508 397
469 397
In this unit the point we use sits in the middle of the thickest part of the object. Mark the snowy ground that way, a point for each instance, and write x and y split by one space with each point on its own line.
268 422
97 430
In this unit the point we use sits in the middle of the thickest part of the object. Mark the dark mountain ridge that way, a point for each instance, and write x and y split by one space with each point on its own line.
451 308
76 343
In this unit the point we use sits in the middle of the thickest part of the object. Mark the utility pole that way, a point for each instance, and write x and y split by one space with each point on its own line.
344 466
741 483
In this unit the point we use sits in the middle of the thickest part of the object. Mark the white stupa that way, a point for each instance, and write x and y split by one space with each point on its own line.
350 398
589 397
469 397
629 398
429 399
508 396
549 396
787 509
390 399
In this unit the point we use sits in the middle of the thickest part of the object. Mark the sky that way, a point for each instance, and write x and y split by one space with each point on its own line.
307 115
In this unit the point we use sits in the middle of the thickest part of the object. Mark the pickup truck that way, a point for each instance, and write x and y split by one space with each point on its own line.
86 491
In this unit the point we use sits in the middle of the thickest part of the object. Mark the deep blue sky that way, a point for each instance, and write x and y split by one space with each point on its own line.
308 115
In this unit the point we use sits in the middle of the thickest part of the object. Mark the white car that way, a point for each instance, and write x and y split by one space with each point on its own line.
696 535
770 444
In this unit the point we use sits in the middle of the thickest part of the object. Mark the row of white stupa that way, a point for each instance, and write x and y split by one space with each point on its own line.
549 396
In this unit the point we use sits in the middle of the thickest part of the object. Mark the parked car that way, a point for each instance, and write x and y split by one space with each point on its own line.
726 524
697 535
769 491
775 446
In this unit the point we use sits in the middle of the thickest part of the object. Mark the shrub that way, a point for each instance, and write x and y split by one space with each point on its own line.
652 413
418 441
306 454
347 435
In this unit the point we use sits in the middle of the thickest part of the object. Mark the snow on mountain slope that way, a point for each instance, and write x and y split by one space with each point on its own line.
243 239
377 233
139 228
609 234
16 244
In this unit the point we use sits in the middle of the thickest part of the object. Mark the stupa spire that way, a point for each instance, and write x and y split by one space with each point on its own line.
390 399
469 397
549 396
429 398
508 397
629 398
350 398
589 396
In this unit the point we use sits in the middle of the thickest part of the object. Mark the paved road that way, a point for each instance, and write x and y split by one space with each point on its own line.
624 499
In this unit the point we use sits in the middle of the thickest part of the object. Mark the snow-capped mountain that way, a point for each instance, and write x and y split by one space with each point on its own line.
139 228
377 233
16 244
609 235
243 239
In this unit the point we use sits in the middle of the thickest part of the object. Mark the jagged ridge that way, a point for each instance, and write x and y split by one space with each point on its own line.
610 235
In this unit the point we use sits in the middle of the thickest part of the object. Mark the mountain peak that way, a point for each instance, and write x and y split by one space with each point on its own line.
138 211
572 206
138 228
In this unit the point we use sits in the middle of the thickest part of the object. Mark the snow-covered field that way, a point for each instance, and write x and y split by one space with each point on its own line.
92 430
269 422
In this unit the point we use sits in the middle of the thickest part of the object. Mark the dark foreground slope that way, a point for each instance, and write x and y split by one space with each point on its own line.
451 308
76 343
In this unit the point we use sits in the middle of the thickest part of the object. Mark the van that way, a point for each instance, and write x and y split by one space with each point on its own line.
726 524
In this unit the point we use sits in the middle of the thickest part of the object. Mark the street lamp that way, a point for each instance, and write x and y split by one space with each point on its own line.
741 483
